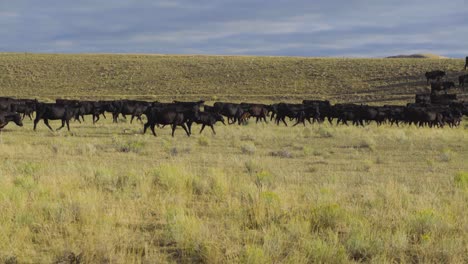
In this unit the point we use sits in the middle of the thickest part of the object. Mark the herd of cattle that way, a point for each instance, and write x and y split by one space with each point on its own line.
444 86
438 85
433 110
429 110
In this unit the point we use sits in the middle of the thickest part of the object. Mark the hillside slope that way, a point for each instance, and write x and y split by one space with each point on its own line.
47 76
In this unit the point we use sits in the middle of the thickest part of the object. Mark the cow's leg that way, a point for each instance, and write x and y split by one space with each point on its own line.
104 115
186 129
63 124
145 126
152 129
189 126
203 127
212 128
284 121
131 120
77 118
173 129
35 123
68 124
46 122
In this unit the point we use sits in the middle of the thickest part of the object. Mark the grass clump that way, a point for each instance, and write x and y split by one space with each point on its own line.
461 179
324 132
328 216
254 255
172 178
261 209
367 143
422 226
203 141
361 245
446 156
264 179
188 233
283 153
126 146
248 149
324 251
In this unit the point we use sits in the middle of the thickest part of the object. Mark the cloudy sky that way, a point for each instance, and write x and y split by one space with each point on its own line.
355 28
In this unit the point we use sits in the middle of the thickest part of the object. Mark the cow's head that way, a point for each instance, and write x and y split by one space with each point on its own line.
16 118
220 118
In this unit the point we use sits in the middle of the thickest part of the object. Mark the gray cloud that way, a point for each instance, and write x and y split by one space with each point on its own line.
359 28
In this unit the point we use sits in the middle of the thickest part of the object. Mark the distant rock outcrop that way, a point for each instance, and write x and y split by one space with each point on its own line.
418 56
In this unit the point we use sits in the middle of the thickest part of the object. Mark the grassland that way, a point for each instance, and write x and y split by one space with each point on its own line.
217 77
257 193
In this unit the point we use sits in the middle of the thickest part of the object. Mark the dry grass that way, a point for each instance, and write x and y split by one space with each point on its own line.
48 76
374 194
258 193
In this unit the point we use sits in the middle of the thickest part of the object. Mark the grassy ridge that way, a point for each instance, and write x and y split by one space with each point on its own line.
216 77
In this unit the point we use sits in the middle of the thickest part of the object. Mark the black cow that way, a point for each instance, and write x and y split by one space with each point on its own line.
190 104
394 113
128 107
466 62
462 79
100 108
434 75
208 119
210 109
259 111
423 99
55 112
162 116
72 103
443 99
423 116
190 110
441 86
6 104
233 112
25 107
324 109
67 102
6 117
293 111
273 109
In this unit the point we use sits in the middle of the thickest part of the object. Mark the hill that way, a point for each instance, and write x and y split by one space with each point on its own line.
418 56
165 77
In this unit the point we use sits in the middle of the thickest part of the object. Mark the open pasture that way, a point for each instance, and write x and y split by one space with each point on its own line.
230 78
255 193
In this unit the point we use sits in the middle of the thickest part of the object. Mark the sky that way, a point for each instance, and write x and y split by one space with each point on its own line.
332 28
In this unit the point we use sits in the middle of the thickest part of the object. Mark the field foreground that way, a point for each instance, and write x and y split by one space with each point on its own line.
258 193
